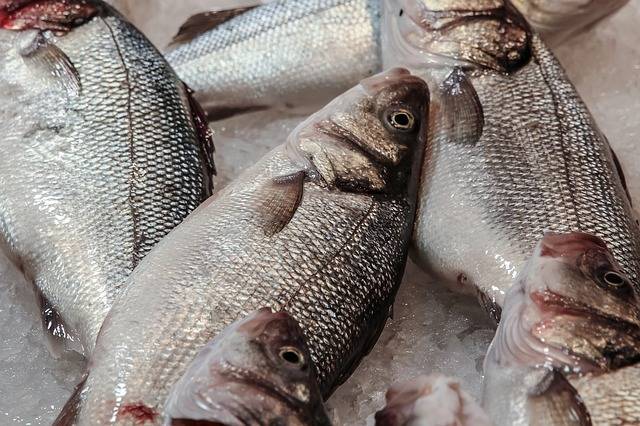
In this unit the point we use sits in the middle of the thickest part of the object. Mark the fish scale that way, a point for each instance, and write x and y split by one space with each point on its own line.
94 179
334 265
542 165
284 54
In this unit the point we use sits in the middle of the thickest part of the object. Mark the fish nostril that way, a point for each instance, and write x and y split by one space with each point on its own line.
292 356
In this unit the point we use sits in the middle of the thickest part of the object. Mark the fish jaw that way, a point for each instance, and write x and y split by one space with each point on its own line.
561 319
433 400
258 366
490 35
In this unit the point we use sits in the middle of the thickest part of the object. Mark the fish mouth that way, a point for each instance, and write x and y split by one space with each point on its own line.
569 245
494 37
604 341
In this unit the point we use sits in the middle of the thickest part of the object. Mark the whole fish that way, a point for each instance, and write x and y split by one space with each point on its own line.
433 400
318 228
572 312
557 20
512 151
257 368
104 152
286 54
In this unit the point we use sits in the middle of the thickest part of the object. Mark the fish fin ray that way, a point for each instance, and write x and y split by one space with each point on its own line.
69 413
217 113
554 390
284 196
58 336
462 113
620 171
206 143
49 60
200 23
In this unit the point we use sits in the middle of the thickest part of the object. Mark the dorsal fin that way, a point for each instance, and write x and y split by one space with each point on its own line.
202 22
620 170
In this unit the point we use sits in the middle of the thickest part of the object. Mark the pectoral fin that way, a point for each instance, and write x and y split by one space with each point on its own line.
283 196
462 116
58 336
50 62
553 400
202 22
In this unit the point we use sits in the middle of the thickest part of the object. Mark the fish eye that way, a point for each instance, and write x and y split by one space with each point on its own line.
292 356
401 119
614 279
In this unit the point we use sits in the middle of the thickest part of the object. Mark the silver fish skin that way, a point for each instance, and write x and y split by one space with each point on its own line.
260 367
570 322
433 400
319 228
512 151
558 20
285 54
102 156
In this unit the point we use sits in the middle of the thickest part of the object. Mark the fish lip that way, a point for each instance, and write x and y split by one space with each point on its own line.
550 302
556 244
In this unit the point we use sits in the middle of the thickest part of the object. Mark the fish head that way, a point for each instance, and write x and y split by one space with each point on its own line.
577 309
475 34
585 302
59 16
429 401
370 139
258 368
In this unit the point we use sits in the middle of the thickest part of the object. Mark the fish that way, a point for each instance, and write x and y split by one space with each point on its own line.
558 20
433 400
512 150
105 151
258 368
570 324
318 228
293 56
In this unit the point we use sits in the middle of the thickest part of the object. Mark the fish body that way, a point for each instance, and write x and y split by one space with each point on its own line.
102 156
433 400
259 366
283 54
569 323
319 228
513 152
557 20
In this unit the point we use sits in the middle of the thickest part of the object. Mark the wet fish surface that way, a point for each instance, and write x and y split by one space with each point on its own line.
570 322
297 55
104 153
284 54
257 368
319 228
512 152
557 20
433 400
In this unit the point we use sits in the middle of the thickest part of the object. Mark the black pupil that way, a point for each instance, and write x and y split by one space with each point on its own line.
291 356
401 119
614 279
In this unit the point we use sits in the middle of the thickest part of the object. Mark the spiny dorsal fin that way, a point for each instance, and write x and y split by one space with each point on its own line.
52 63
283 196
202 22
462 114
